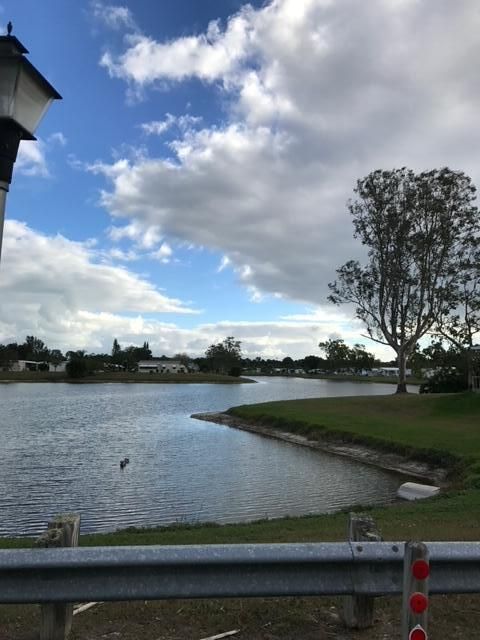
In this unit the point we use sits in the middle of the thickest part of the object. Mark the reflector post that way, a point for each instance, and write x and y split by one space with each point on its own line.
420 569
417 633
416 571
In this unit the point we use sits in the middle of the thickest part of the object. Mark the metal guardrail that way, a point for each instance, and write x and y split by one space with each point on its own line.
207 571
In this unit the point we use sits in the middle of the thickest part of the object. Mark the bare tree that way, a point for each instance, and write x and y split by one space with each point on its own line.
416 227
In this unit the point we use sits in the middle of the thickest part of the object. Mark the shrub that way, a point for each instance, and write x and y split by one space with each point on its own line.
446 380
77 368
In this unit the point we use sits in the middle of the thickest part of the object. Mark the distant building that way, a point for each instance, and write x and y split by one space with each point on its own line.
391 371
25 365
155 365
60 367
33 365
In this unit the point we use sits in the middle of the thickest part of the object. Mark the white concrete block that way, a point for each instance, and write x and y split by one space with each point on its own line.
416 491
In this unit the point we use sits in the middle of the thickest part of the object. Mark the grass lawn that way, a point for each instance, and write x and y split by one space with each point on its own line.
447 424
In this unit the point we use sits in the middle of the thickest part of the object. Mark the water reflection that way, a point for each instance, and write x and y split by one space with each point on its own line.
61 447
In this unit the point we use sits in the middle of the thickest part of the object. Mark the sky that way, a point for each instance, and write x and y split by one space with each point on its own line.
193 182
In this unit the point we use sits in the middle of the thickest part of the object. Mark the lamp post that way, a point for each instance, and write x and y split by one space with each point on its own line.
25 96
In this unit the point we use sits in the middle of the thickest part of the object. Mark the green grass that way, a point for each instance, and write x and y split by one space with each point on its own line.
454 516
447 424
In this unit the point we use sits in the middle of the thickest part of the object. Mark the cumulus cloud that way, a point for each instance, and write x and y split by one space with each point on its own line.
320 94
32 155
49 285
158 127
209 55
58 137
54 288
144 236
163 253
113 16
31 160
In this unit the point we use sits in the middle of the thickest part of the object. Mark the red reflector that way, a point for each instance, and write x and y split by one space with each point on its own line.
418 602
420 569
418 634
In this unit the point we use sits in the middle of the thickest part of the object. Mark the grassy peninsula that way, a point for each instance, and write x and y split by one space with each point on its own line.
443 427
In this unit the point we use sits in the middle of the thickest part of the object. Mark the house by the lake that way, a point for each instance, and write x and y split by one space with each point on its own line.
157 365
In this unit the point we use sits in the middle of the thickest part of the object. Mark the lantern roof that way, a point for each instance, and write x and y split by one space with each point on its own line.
11 47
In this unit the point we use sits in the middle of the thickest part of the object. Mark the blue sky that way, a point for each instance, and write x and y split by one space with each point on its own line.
192 183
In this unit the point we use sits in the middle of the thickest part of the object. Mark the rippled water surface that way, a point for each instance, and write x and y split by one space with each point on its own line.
61 445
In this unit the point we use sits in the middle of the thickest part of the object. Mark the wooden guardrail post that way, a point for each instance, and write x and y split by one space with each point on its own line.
358 610
416 571
56 619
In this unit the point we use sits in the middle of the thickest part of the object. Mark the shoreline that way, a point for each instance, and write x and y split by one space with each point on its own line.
360 453
184 379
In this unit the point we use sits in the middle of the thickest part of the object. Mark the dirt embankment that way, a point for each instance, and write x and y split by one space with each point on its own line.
389 461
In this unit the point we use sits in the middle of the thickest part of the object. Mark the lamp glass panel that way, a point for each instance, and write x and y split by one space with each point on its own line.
9 69
31 101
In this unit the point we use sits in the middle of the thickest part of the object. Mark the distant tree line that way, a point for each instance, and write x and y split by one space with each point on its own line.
226 358
35 350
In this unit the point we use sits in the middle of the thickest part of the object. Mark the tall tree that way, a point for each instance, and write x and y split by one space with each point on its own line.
145 352
8 355
360 358
337 353
416 227
55 357
33 349
225 357
116 351
312 362
461 327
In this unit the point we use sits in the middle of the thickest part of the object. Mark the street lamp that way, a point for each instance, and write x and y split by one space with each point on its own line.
25 96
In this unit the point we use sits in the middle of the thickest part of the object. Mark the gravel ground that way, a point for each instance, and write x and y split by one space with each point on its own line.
259 619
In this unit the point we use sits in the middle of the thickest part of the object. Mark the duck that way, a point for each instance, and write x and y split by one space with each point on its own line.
122 464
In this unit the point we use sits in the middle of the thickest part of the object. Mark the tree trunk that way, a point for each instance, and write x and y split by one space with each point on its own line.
468 358
402 375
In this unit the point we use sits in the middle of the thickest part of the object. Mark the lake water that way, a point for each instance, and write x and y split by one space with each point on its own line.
61 445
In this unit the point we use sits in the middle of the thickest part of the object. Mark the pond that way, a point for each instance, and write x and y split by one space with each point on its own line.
61 445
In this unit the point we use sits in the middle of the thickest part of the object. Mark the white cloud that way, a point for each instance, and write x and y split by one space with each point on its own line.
54 288
58 137
142 235
163 253
113 16
158 127
32 155
49 285
209 56
224 263
122 256
31 160
320 94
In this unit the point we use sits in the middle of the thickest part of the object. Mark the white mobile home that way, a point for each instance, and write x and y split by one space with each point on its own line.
161 366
